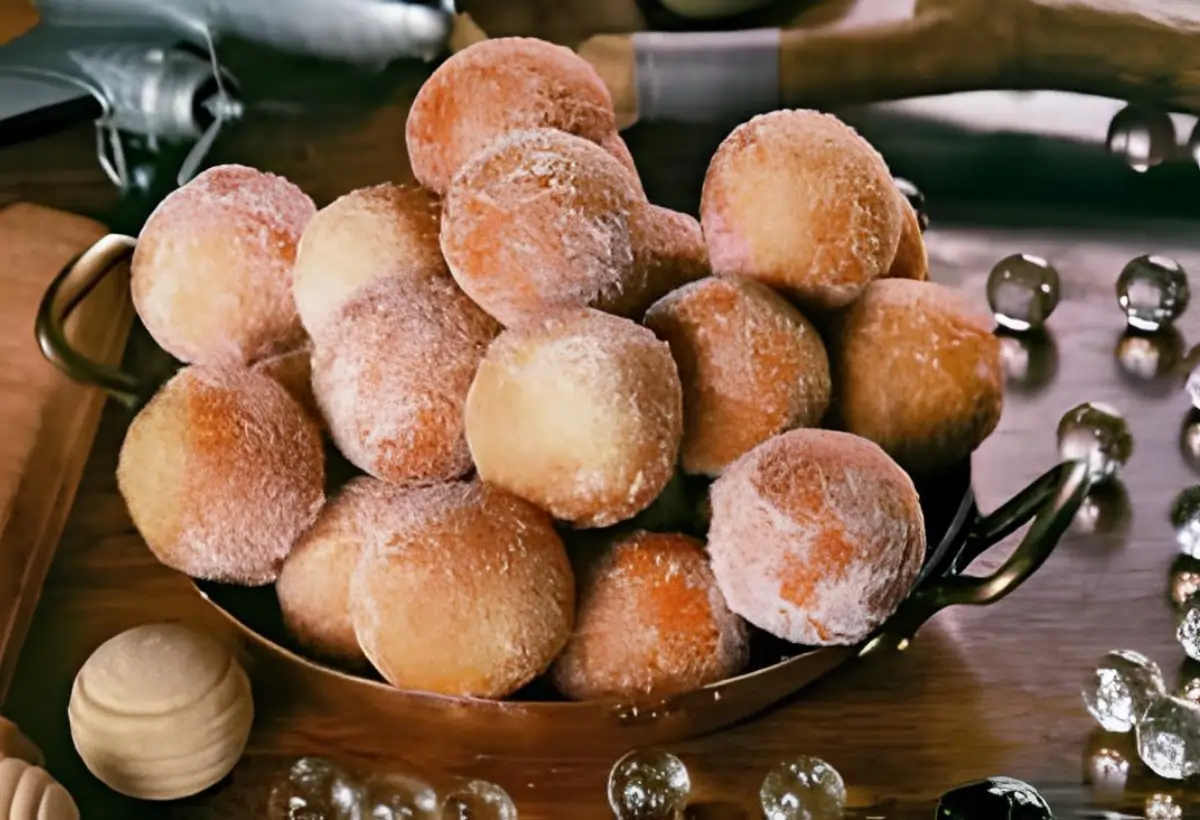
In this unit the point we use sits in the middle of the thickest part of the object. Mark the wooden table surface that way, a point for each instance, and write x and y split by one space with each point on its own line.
981 692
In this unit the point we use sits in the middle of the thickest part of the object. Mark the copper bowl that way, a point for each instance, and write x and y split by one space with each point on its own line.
374 713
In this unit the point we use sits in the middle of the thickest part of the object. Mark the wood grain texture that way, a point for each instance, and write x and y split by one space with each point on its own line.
47 421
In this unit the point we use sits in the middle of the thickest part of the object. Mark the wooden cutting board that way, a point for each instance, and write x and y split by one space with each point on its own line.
47 422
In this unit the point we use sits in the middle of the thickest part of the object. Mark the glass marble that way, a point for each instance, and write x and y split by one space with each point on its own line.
478 800
804 788
1142 137
1187 632
1192 386
1189 439
1121 689
649 785
1168 737
1190 690
316 789
915 198
1185 579
1095 433
1153 292
995 797
1022 291
397 796
1107 769
1185 519
1163 807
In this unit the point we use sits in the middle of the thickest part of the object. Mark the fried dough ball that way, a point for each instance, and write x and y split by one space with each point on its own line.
751 365
466 591
912 259
212 271
500 85
580 413
816 537
650 621
368 234
801 202
314 584
917 370
293 370
221 472
542 220
392 373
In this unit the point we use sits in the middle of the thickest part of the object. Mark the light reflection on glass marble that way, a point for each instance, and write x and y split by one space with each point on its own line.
1097 434
1030 360
1150 360
1142 137
648 785
1105 510
1153 291
1185 579
1163 807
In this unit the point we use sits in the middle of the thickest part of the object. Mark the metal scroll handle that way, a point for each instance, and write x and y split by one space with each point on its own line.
1051 501
69 288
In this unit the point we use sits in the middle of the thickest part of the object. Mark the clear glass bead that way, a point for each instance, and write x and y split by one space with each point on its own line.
1022 291
396 796
478 800
1121 688
1168 737
1107 769
1185 519
1192 386
804 788
649 785
1142 137
316 789
1185 579
1095 433
1190 690
1163 807
1153 291
1187 630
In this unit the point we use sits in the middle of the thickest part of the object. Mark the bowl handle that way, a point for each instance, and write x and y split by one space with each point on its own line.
1051 501
69 288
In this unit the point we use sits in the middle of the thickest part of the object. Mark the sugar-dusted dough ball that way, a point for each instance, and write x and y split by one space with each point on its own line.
293 371
314 584
669 251
392 373
650 621
13 743
800 201
28 792
212 272
917 370
368 234
466 591
751 366
500 85
816 537
537 221
160 712
580 413
912 259
221 472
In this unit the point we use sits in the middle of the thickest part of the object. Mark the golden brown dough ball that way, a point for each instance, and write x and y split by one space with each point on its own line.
580 413
212 272
801 202
368 234
816 537
669 252
314 584
650 621
912 259
751 365
293 370
500 85
392 373
221 472
466 591
916 369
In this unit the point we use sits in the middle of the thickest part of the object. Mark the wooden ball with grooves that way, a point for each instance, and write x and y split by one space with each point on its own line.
28 792
160 712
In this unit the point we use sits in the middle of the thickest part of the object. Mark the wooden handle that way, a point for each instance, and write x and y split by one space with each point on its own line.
847 52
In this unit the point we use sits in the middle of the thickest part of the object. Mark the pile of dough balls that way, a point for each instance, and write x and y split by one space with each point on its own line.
527 363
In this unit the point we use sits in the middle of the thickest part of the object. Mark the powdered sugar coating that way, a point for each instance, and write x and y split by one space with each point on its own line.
293 370
917 370
912 259
816 537
579 412
751 365
368 234
392 373
221 472
798 200
539 221
496 86
650 621
212 272
464 590
668 250
314 584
